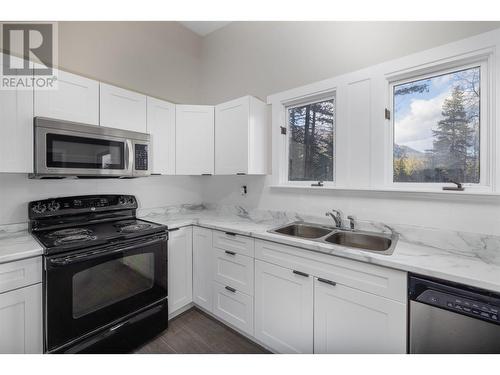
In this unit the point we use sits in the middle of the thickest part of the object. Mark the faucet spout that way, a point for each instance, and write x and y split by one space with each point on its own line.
336 215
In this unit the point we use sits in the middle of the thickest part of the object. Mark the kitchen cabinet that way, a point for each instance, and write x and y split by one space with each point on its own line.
283 308
233 307
234 270
241 135
122 109
347 320
16 126
194 140
180 268
161 127
21 320
202 267
75 99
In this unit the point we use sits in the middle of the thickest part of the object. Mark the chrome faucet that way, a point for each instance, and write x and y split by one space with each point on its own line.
336 215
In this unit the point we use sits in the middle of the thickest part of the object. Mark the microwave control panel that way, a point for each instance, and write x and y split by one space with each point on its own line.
141 157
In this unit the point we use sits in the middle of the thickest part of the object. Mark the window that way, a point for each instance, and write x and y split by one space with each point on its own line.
311 133
437 128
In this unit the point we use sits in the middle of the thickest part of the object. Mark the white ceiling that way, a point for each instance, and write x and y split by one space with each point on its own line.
204 28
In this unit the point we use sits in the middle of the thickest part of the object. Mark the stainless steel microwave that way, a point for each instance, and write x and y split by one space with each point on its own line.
69 149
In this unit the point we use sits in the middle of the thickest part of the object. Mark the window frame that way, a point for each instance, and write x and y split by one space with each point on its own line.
485 162
306 100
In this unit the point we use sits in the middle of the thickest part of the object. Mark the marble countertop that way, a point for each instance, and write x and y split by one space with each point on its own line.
17 243
467 258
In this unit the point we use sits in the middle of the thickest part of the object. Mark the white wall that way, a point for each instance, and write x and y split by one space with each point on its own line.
16 190
239 58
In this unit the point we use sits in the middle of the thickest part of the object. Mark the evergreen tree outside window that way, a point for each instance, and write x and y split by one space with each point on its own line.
311 141
437 128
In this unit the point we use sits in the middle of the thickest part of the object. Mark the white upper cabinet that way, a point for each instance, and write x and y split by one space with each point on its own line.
16 129
241 136
122 109
194 140
161 126
75 99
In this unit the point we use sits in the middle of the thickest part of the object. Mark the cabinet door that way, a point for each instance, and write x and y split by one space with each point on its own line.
75 99
283 308
194 136
16 130
122 109
231 136
180 268
21 320
161 126
202 267
347 320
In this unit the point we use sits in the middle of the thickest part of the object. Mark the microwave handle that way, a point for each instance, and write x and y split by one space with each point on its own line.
65 261
129 152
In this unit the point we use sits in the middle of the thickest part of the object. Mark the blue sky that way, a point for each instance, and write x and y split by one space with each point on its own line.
416 114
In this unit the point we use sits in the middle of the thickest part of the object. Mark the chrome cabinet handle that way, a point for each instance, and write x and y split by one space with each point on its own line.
300 273
325 281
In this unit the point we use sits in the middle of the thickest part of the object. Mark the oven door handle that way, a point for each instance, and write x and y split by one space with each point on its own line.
72 259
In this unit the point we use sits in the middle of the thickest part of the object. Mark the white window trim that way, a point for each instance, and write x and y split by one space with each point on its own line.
480 59
314 98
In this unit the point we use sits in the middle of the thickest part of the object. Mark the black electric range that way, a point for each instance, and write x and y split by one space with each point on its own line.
105 273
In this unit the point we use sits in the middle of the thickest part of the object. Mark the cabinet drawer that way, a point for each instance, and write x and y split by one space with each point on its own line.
234 242
234 307
25 272
234 270
385 282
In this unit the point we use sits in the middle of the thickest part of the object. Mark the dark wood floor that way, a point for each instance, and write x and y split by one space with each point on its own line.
194 332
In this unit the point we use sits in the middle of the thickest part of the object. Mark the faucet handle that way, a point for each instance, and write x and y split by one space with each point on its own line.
352 221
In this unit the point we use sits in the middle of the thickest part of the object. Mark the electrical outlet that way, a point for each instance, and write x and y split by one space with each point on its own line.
243 190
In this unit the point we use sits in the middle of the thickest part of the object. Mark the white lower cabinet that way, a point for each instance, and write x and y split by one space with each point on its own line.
283 308
233 306
202 267
234 270
180 268
21 320
347 320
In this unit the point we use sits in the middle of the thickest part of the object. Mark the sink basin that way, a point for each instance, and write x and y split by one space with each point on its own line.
360 240
303 230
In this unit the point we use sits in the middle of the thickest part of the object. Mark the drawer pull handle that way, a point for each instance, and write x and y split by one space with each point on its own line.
231 289
230 233
230 252
300 273
329 282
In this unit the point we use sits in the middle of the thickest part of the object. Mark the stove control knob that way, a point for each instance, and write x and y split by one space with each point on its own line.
54 206
39 208
130 200
122 200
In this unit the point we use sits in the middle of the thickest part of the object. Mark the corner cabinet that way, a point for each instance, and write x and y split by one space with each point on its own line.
194 140
75 99
202 267
161 127
16 127
122 109
180 268
241 137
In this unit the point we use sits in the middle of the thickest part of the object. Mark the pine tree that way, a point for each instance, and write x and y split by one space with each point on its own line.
452 138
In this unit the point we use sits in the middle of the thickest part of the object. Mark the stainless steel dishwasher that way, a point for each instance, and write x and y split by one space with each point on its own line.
452 318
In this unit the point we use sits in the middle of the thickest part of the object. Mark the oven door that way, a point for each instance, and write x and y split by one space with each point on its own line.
74 153
89 290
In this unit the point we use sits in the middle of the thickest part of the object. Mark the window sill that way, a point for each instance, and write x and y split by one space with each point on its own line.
471 195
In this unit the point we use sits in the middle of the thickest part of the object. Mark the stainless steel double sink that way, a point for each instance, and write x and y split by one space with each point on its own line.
380 243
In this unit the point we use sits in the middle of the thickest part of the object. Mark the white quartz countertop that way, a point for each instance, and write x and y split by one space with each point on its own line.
467 258
17 243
